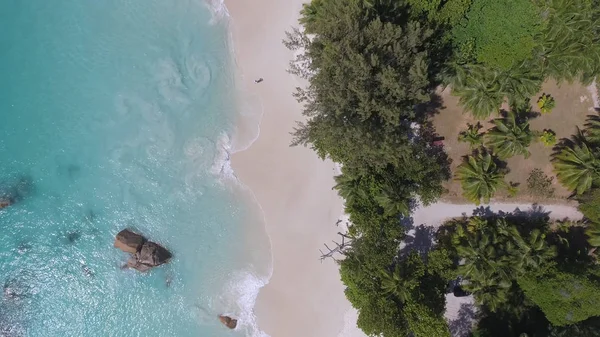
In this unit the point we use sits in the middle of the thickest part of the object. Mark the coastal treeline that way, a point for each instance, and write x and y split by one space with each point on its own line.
373 68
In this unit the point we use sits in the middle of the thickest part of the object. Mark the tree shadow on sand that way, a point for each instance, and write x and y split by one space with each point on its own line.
420 238
462 325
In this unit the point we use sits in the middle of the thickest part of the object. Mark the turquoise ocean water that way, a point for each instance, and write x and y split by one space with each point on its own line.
113 115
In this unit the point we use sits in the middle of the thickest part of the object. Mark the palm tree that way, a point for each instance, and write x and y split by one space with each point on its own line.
392 283
480 92
592 130
577 166
480 177
520 83
495 255
489 264
393 203
593 234
404 278
510 137
569 48
349 188
536 250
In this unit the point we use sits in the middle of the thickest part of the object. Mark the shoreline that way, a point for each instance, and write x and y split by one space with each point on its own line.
292 186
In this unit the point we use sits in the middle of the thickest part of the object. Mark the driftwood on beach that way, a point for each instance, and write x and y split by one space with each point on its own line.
340 247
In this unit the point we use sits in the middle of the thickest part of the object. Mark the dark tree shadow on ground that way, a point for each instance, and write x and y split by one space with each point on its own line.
461 327
420 238
532 218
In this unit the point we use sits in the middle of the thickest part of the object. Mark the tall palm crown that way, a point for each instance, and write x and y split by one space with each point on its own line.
349 188
393 283
479 89
404 278
510 137
480 177
577 166
495 255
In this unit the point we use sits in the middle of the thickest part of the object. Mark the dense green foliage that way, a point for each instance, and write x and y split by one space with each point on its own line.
363 98
441 11
502 32
527 276
494 253
507 48
368 103
589 206
565 298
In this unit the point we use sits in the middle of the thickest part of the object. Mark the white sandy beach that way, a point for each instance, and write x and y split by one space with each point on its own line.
293 186
304 297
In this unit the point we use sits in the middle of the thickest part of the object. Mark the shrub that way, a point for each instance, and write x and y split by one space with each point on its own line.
539 184
548 138
471 135
546 103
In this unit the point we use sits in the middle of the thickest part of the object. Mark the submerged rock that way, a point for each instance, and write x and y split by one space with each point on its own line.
73 236
135 264
23 247
5 202
129 242
229 322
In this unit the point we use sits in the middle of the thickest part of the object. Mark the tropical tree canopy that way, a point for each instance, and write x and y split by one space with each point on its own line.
480 177
369 77
496 254
507 48
565 297
502 31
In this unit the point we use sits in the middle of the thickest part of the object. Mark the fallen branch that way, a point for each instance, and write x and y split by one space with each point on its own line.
340 247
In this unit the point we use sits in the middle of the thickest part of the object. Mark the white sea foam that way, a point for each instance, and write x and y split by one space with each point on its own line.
243 289
218 10
221 166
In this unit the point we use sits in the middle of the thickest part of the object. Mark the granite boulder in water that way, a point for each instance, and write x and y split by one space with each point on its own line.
229 322
153 254
5 202
129 242
145 254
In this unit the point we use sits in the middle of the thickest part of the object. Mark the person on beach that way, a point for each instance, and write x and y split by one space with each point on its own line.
259 80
